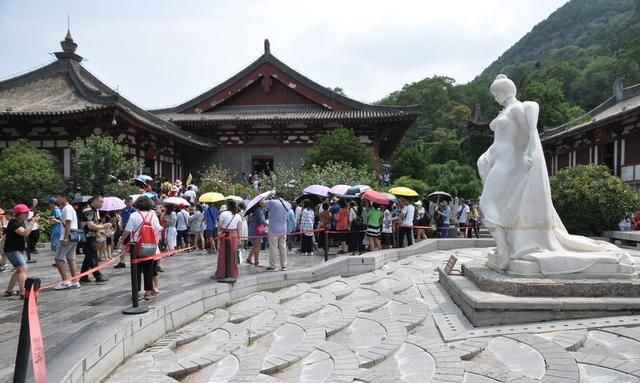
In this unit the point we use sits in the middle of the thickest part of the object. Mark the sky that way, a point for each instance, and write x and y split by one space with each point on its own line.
161 53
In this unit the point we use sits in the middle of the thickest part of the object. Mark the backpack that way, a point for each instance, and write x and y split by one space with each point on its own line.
147 241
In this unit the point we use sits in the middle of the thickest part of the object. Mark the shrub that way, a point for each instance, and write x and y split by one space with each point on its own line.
589 199
26 173
339 145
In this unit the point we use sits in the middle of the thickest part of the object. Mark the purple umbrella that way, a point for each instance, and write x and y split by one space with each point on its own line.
112 204
254 202
339 189
320 190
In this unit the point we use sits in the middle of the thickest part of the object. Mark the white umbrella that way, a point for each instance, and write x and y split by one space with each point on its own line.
254 202
176 201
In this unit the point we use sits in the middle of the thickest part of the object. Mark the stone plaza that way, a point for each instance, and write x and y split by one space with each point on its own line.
379 317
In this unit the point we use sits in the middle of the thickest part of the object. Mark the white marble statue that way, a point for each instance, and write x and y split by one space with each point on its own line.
516 202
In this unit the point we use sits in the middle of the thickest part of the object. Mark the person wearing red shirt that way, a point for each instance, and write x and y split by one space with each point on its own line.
342 225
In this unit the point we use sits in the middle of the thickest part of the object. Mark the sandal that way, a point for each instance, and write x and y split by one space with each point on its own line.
248 260
10 293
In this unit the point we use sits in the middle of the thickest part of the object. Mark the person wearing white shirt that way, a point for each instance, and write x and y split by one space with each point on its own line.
190 194
182 227
229 224
144 215
406 222
463 214
66 249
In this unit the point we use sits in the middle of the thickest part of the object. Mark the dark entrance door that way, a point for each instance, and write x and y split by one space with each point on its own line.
262 164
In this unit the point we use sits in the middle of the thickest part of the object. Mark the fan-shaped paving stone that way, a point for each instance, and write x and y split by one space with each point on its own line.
267 321
570 340
194 330
395 335
494 373
469 348
368 298
292 352
341 287
345 362
514 356
146 367
251 306
408 364
628 367
561 366
449 367
309 302
396 285
291 292
333 317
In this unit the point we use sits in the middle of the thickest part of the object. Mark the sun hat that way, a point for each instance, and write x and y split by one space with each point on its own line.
178 182
20 208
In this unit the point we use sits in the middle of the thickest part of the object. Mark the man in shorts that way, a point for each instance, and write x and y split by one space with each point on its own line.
66 249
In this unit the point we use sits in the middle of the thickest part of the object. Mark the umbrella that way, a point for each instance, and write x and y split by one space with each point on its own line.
234 198
358 189
81 199
390 197
403 191
176 201
315 199
376 197
438 195
254 202
150 195
144 178
211 197
339 189
112 204
320 190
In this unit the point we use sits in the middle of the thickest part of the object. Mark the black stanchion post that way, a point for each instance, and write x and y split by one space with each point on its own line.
135 306
228 258
326 244
24 340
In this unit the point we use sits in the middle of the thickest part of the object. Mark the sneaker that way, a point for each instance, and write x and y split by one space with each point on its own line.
272 269
84 279
284 269
160 269
3 269
62 286
101 279
75 285
120 265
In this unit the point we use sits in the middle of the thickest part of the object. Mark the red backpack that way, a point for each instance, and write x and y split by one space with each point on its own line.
147 242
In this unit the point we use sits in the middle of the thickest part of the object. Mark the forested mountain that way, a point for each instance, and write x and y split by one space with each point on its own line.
567 63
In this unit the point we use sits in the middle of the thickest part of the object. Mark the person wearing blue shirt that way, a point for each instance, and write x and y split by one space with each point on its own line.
56 223
211 215
443 223
124 215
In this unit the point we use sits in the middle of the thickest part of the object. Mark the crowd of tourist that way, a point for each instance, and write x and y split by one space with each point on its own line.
352 225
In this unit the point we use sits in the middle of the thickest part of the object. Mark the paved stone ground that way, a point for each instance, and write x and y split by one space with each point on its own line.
71 314
394 324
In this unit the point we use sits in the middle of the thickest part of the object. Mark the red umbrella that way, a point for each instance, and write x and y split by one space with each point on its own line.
375 197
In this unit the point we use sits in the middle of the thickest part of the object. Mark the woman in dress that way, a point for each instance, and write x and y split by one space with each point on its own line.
306 227
196 224
516 200
171 231
229 224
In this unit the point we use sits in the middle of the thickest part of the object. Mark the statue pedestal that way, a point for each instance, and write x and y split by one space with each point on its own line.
488 297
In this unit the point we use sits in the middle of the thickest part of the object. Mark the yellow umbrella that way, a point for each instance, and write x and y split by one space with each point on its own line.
403 192
234 197
211 197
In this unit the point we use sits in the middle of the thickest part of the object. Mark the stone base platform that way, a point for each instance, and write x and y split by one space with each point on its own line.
591 286
487 308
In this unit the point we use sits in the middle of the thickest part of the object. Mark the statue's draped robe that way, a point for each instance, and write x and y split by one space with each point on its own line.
532 227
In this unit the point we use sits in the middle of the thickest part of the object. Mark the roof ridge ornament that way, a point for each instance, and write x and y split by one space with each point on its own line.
267 47
68 47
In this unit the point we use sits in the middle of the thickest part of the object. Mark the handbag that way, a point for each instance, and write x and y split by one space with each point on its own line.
77 235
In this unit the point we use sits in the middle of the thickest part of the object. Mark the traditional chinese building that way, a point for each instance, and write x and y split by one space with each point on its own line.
59 102
269 114
609 134
266 115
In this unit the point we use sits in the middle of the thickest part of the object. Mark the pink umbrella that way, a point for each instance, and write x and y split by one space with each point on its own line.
112 204
376 197
320 190
176 201
339 189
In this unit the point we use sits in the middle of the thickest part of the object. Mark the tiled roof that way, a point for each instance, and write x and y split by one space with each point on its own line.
616 107
290 113
64 87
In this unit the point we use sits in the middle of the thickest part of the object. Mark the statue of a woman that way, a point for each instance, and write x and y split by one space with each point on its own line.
516 201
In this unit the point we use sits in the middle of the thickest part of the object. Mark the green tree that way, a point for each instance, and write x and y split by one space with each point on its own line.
339 145
26 173
221 180
453 178
101 164
589 199
554 110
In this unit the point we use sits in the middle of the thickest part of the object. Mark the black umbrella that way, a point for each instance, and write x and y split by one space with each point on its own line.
81 199
315 199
